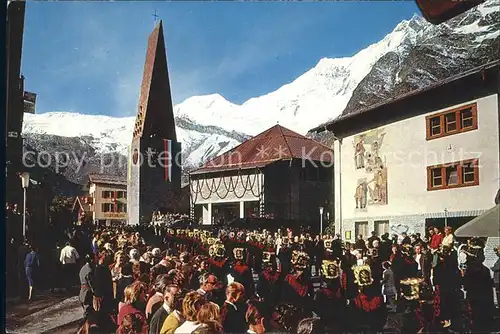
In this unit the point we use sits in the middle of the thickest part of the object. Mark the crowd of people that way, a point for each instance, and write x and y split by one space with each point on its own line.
167 218
160 280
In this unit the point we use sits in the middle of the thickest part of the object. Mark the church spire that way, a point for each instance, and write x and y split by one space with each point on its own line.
155 116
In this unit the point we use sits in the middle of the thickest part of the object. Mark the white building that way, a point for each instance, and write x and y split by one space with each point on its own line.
424 159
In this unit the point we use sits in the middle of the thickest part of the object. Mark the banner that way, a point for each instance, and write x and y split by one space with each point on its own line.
29 102
168 154
129 163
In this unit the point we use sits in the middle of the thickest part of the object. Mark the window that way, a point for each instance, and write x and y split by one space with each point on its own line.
121 194
122 207
361 228
453 175
381 227
452 121
107 194
106 207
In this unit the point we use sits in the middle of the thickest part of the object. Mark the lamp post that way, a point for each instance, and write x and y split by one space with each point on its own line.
25 181
445 217
328 218
321 220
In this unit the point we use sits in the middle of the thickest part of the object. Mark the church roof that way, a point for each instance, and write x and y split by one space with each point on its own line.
155 101
275 144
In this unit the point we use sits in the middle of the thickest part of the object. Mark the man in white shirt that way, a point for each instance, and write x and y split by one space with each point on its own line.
68 258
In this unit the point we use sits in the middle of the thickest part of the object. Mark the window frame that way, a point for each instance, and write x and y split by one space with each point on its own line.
458 121
103 205
460 175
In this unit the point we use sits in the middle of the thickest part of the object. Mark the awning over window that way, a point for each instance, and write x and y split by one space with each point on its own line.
485 225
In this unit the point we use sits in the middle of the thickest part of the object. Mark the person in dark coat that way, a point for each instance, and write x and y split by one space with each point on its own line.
234 309
31 263
285 256
329 300
171 295
242 273
478 283
104 302
269 281
446 287
368 310
86 286
297 286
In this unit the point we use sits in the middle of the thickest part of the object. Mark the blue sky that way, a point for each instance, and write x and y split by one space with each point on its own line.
88 57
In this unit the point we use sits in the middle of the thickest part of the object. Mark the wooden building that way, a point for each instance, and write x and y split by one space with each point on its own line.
277 174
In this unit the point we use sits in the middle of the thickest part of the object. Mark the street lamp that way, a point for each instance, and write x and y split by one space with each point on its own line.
321 220
445 217
25 181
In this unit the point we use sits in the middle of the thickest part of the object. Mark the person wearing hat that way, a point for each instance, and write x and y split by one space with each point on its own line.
218 263
478 284
446 282
367 309
241 272
297 286
329 300
269 282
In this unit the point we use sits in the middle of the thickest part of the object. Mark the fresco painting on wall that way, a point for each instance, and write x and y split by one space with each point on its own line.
367 156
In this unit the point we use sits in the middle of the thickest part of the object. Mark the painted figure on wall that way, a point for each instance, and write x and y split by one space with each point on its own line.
359 153
361 194
378 187
367 157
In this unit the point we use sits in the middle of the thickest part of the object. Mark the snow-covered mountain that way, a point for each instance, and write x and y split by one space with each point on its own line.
413 55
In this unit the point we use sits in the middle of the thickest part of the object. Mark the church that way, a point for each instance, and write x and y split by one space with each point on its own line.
154 171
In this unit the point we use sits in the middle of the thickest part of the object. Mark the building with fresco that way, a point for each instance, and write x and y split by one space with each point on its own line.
427 158
278 174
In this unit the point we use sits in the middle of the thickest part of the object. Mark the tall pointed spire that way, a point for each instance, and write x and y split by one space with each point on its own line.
154 174
155 114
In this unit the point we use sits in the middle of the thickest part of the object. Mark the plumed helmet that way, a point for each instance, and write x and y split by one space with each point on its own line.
362 275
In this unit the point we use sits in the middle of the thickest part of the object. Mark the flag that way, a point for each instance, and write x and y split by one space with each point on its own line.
168 159
129 163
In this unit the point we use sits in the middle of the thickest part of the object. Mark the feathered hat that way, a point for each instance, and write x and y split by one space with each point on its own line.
300 260
411 288
217 249
330 269
239 253
362 275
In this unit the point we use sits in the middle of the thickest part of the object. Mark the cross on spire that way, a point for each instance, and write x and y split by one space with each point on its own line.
155 15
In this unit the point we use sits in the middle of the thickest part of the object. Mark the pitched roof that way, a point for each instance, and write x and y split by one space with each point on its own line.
392 100
108 179
275 144
155 101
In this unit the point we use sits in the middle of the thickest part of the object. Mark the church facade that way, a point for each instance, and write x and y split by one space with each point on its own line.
154 172
429 158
